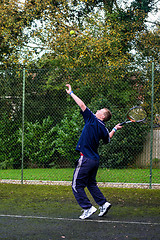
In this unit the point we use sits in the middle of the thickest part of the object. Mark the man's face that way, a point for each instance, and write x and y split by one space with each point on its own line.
100 114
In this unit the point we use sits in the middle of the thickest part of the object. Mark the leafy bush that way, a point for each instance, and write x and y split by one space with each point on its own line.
46 145
10 149
67 135
38 141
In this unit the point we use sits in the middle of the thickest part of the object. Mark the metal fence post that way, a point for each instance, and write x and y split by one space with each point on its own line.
151 142
23 106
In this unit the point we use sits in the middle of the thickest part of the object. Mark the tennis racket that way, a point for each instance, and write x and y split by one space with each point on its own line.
135 114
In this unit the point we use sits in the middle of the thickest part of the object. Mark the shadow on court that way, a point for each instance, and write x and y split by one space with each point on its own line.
51 213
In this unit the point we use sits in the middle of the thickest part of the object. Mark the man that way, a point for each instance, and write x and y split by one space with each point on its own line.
88 163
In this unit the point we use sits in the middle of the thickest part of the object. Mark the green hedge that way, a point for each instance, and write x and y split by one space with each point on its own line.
46 145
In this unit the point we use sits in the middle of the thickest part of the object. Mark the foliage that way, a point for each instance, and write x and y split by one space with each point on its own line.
145 5
10 153
11 31
66 138
97 43
123 149
38 141
11 94
99 54
46 24
148 44
96 60
42 102
18 20
50 144
103 41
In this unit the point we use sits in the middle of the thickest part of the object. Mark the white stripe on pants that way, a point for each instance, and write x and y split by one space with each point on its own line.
76 173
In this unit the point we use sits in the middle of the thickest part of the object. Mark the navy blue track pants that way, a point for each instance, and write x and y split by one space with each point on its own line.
85 176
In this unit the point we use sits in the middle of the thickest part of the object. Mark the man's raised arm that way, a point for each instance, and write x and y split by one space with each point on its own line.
76 99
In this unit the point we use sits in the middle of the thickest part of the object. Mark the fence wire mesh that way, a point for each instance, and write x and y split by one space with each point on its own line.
53 124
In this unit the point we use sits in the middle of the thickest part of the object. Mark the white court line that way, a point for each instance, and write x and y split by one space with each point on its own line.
72 219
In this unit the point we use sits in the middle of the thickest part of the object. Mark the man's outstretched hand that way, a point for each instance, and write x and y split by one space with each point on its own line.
69 90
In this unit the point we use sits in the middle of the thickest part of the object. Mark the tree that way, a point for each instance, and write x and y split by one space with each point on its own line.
147 43
24 23
17 22
145 5
147 47
11 31
97 44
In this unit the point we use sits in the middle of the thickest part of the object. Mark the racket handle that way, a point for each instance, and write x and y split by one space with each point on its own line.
121 124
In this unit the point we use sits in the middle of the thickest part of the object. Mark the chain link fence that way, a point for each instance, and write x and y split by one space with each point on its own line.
40 124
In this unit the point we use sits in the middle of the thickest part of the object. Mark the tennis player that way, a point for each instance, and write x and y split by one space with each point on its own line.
88 163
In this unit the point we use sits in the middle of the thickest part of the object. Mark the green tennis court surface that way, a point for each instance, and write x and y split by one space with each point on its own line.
51 212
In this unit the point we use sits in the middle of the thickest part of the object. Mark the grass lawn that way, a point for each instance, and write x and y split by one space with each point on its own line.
104 175
56 200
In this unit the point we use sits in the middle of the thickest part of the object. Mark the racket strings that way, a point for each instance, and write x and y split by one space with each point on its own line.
137 114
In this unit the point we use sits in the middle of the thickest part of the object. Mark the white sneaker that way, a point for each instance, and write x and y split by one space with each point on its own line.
104 209
88 212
